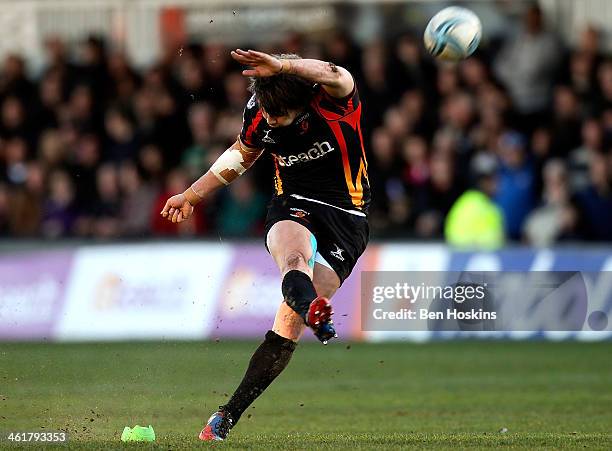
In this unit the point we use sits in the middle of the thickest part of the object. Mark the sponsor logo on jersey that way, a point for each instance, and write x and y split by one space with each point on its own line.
338 253
317 151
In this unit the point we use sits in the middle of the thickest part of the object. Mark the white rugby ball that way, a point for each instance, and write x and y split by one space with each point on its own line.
453 34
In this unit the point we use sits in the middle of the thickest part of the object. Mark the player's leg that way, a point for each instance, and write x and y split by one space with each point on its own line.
325 280
293 248
287 322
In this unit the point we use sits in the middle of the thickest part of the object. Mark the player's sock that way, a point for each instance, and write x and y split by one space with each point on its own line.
268 361
298 291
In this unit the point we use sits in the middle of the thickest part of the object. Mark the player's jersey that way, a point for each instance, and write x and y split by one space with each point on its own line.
321 155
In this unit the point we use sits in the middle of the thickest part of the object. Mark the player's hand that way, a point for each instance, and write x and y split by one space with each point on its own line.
177 209
262 64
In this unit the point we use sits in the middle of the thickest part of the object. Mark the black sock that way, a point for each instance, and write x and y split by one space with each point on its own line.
298 291
268 361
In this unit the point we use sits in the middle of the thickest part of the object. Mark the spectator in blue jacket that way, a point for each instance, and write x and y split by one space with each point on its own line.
516 182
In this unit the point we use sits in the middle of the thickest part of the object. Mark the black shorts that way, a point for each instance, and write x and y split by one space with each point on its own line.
341 235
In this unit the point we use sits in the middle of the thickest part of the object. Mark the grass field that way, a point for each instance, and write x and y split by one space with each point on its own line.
357 396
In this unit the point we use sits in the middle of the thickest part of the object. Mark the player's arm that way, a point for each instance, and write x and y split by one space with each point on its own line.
337 81
229 166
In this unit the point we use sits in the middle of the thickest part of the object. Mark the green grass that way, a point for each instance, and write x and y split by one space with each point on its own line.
362 396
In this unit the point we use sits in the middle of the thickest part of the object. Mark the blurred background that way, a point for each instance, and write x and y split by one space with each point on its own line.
502 161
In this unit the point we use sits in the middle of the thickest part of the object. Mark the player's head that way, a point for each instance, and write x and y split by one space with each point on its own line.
281 97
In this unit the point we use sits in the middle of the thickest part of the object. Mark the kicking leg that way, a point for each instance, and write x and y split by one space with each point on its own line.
294 249
288 323
319 314
325 280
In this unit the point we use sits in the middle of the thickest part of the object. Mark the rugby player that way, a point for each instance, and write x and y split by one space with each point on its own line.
306 113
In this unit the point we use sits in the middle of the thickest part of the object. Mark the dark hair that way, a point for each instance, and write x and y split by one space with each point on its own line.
281 93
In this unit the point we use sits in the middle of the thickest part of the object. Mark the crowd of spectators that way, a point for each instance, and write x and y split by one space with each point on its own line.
92 147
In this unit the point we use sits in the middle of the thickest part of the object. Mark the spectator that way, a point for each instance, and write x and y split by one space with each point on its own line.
59 215
106 208
13 119
565 129
582 79
123 80
592 143
16 153
93 70
413 107
136 202
556 218
26 203
51 152
527 65
410 70
595 202
457 113
474 73
236 91
191 80
151 160
85 158
447 81
201 123
176 182
434 200
416 169
374 88
50 98
240 214
515 193
14 81
605 86
589 42
474 221
396 124
122 140
385 181
81 113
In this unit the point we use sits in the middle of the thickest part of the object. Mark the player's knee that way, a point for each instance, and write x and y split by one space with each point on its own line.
295 260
